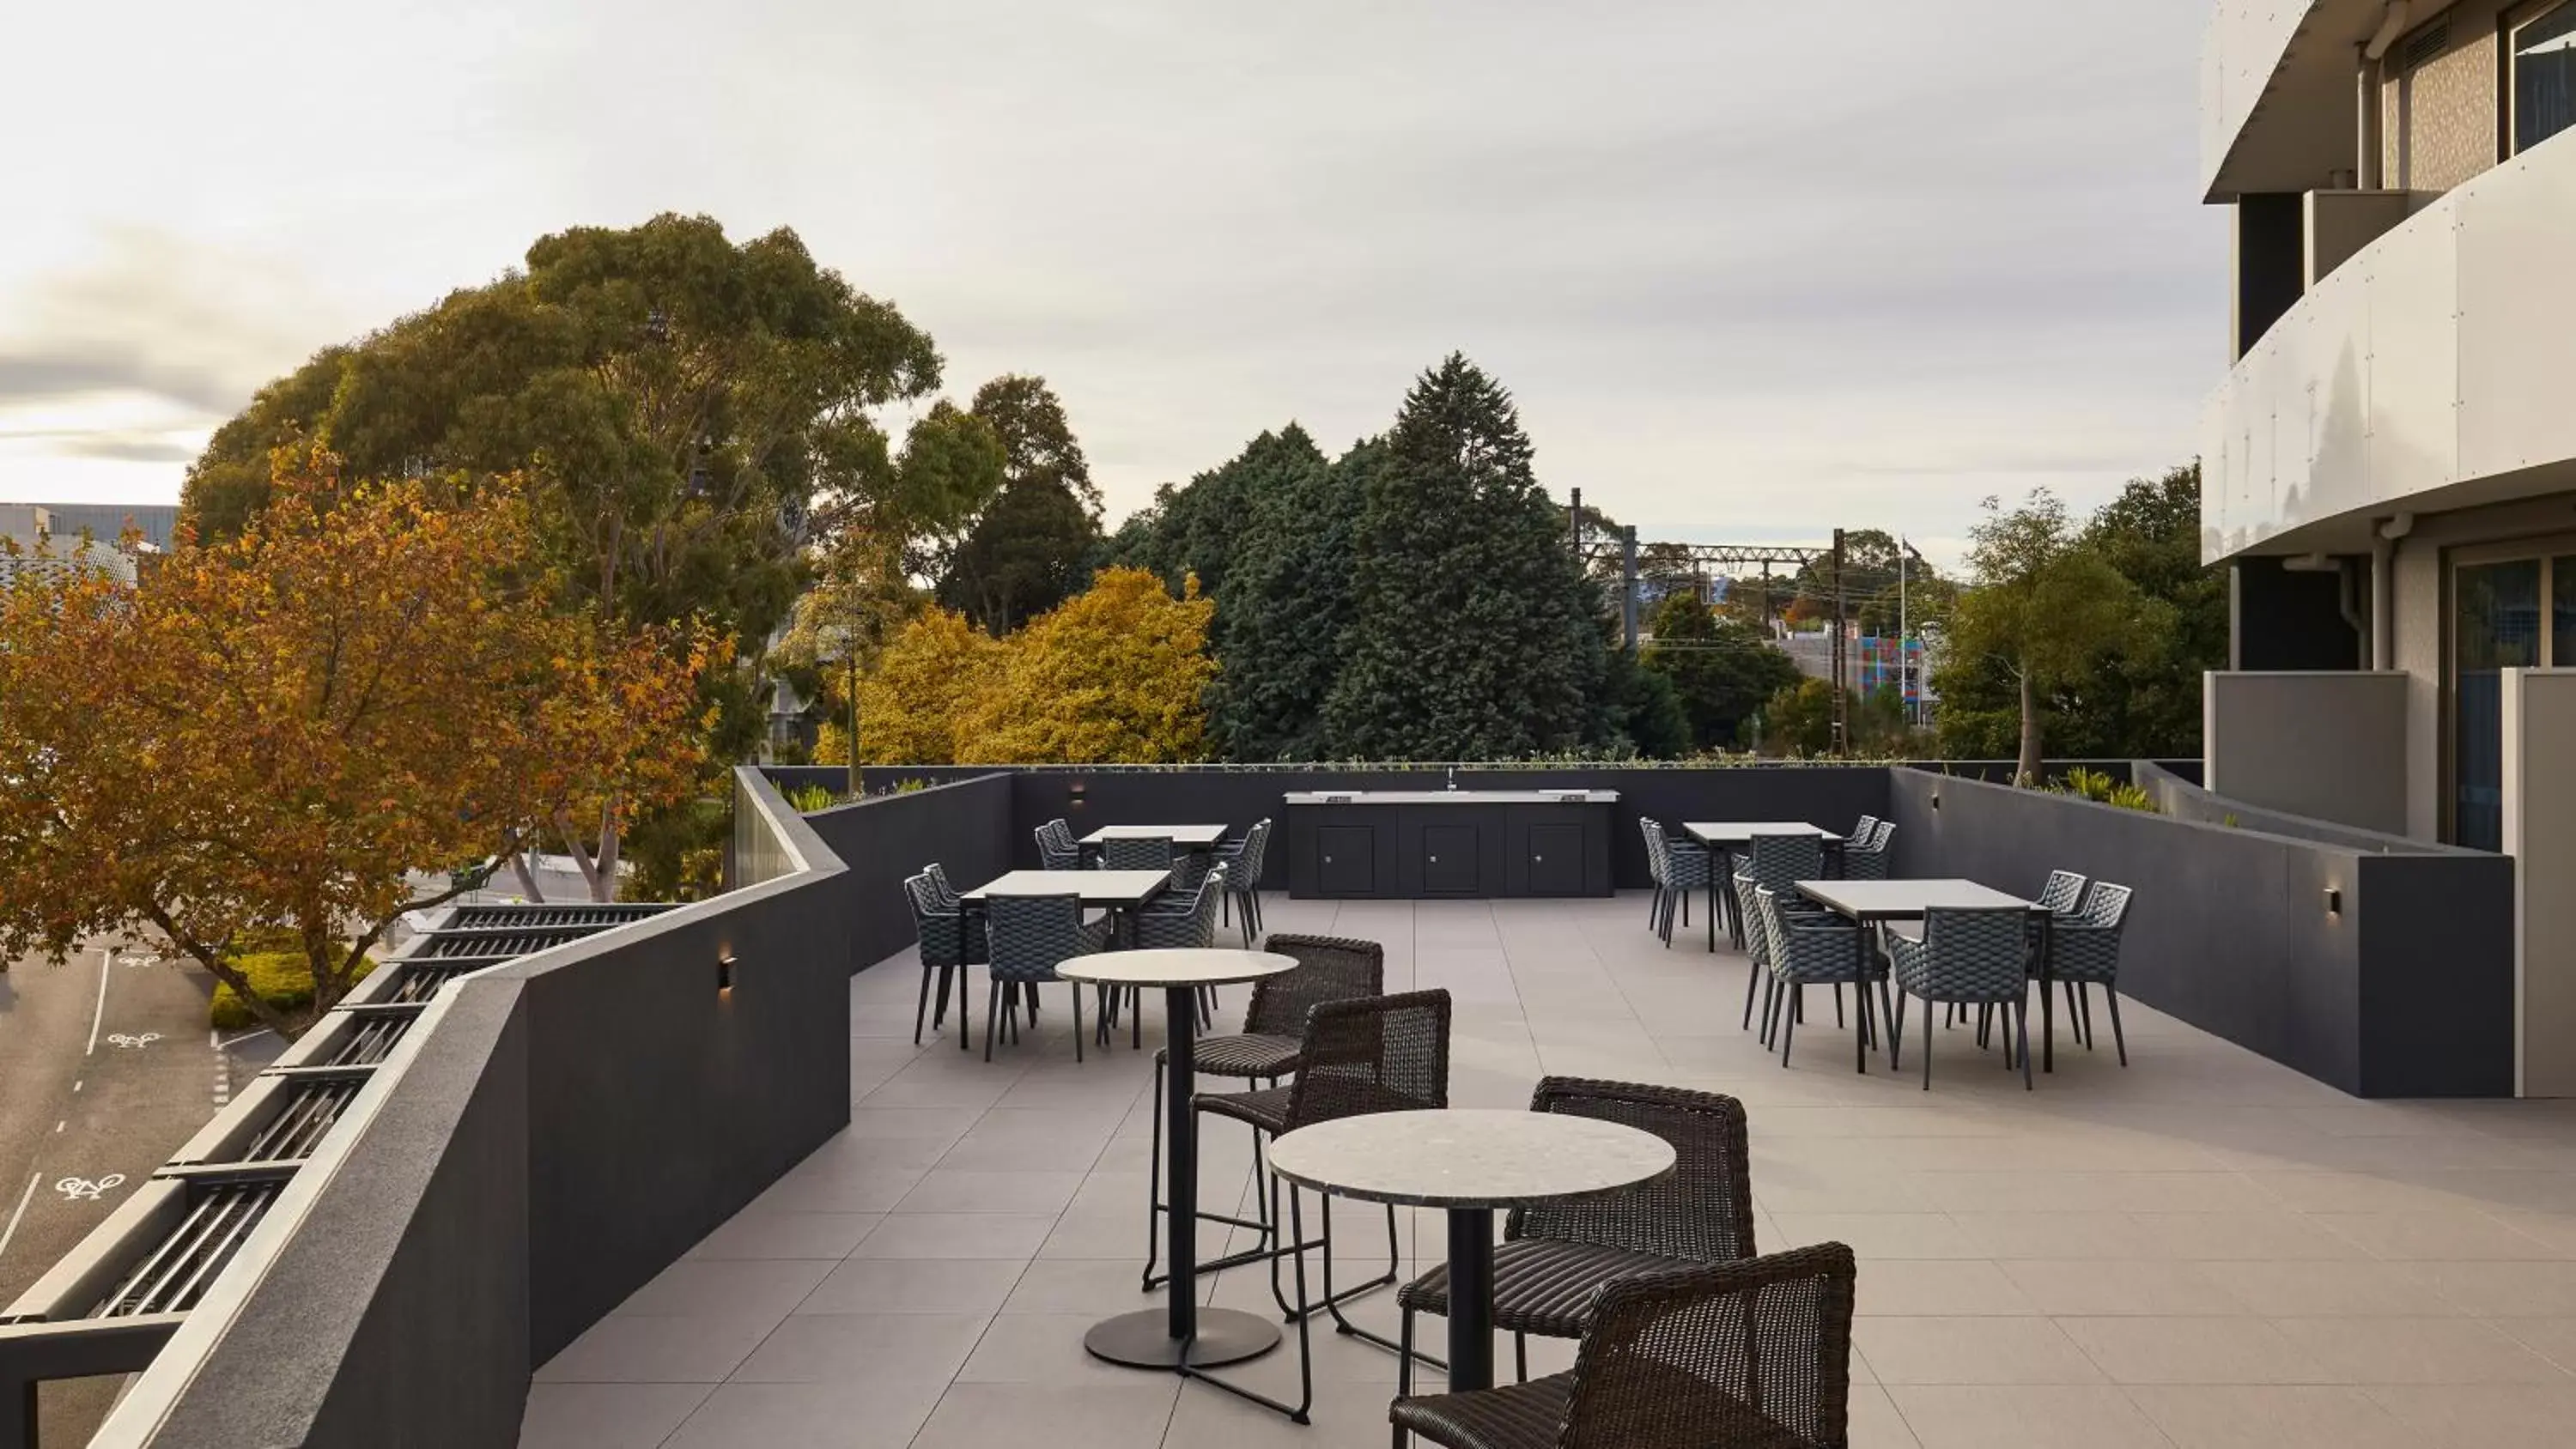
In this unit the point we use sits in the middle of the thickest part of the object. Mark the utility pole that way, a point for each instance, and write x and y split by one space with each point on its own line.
1904 662
1628 584
1842 717
1574 512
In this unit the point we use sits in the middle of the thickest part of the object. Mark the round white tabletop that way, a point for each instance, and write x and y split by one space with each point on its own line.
1470 1158
1174 968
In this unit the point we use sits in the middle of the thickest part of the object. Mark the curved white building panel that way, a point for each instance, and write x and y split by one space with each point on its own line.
2435 357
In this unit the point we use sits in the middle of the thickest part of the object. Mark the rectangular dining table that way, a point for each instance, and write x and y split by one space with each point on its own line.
1876 902
1195 836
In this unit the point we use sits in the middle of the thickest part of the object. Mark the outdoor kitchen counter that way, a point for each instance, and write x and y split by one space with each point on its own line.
1432 844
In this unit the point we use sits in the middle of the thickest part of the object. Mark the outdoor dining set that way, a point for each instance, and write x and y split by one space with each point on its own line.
1629 1220
1812 907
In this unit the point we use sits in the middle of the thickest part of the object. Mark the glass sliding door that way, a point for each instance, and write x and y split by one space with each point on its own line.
2503 616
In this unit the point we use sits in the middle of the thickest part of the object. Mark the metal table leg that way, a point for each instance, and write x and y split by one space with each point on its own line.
1181 1335
1471 1299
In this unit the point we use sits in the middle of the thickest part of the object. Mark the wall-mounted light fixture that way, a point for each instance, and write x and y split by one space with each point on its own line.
1076 789
724 974
2334 901
1936 799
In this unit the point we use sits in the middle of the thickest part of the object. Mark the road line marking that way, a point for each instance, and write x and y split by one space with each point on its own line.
66 1122
12 1230
236 1041
76 1086
101 1013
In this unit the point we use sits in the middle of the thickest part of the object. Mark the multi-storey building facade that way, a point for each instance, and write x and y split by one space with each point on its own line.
2390 463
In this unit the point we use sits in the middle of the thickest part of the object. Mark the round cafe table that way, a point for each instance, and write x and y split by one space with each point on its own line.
1182 1336
1470 1162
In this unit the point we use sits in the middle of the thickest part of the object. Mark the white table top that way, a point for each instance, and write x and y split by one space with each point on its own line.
1470 1158
1452 797
1174 968
1893 899
1741 832
1177 834
1096 887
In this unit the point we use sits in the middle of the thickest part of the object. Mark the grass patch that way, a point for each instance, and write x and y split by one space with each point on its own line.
275 966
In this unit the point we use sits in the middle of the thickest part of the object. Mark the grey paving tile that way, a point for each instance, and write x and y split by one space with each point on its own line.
916 1285
757 1233
1060 1416
606 1416
1015 1236
849 1347
675 1349
842 1414
727 1288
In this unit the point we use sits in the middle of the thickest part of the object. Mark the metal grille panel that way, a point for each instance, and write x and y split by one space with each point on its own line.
173 1276
311 1108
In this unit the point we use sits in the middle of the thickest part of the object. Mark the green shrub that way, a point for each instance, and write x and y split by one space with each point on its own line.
810 798
2097 785
274 964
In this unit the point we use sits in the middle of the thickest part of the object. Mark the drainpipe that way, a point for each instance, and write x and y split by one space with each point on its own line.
2383 588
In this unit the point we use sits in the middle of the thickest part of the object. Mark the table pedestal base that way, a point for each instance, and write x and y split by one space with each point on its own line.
1144 1339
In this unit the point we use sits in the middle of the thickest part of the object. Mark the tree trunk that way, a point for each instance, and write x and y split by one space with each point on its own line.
527 877
603 887
2027 773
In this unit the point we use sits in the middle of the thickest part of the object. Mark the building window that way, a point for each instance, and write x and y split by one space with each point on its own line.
2544 77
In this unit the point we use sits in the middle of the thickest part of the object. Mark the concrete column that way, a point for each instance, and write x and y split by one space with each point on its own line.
2540 835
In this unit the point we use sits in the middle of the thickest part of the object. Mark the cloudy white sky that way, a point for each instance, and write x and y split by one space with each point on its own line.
1753 270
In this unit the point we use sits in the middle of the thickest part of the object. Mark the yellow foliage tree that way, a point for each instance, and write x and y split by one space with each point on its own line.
914 704
1117 675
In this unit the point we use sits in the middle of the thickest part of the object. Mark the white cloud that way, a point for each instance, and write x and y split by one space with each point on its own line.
1751 271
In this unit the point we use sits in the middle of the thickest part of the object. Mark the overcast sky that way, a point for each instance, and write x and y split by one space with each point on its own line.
1752 270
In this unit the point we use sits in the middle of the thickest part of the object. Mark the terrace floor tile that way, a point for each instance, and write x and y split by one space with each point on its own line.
2205 1250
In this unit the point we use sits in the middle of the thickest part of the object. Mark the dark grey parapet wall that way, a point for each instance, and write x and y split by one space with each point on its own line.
1828 794
567 1128
2406 991
964 826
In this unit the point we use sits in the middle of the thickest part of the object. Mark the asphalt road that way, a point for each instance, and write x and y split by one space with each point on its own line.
106 1067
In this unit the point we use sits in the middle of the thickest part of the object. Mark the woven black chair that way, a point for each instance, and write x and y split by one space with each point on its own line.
1031 936
1329 968
1354 1058
1749 1355
1057 849
2084 952
1136 852
1556 1256
1967 957
1244 860
950 939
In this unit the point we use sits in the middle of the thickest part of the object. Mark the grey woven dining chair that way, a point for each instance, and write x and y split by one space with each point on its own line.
1244 860
1969 958
1137 852
2061 894
1556 1257
1753 1354
1813 949
1866 854
950 941
1057 849
1031 936
2084 952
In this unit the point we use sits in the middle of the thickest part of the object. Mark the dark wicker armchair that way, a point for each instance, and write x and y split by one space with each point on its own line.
1329 968
1556 1256
1354 1058
1749 1355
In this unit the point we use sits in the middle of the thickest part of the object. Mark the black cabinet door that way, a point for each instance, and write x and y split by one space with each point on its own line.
1346 860
1555 864
1449 860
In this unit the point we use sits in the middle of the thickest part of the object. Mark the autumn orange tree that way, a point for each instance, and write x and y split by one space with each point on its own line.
374 681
